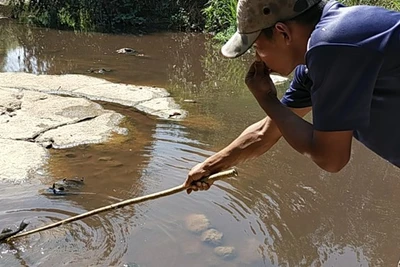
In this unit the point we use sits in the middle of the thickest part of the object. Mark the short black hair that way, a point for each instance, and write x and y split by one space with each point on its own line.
309 17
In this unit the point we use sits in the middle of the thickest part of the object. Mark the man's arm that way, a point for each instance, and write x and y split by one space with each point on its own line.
329 150
251 143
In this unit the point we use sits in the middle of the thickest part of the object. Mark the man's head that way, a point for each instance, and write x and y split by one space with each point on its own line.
278 30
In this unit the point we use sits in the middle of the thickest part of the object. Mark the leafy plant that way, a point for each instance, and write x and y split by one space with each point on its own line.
220 17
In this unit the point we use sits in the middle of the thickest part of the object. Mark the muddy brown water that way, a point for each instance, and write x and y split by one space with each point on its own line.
282 210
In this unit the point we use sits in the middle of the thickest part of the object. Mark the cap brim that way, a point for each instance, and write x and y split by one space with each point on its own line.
238 44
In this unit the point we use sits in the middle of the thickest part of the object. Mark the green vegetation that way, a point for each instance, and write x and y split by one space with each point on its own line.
112 15
220 17
390 4
214 16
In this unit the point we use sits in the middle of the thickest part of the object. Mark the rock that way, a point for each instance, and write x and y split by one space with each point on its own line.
20 159
126 50
152 100
94 131
105 158
225 252
212 237
129 51
197 223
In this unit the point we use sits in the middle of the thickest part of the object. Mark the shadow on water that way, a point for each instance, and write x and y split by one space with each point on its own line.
281 211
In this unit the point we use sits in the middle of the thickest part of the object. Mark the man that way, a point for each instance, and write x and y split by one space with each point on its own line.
346 62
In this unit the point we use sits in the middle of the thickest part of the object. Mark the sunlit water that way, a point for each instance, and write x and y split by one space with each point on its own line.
281 211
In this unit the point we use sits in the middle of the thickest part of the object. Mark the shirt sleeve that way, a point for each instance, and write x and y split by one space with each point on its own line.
298 95
343 79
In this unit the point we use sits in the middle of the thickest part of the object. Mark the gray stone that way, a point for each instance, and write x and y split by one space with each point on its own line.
20 159
152 100
225 252
212 237
197 223
93 131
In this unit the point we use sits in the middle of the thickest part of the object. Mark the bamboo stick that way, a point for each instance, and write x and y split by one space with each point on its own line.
171 191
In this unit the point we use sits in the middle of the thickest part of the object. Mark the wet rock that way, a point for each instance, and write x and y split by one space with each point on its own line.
105 158
225 252
212 236
197 223
126 50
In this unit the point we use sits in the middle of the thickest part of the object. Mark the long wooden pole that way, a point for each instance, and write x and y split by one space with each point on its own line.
171 191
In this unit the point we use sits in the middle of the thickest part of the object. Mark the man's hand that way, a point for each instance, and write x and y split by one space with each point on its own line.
197 172
258 80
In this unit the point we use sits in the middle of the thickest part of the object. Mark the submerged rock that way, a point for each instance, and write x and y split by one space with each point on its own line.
212 237
225 252
197 223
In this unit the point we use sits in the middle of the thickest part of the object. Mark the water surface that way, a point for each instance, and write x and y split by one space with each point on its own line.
282 210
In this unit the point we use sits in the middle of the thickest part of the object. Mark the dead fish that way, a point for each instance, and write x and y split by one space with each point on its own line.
7 232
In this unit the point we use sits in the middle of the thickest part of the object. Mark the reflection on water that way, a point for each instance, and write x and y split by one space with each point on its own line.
21 59
281 211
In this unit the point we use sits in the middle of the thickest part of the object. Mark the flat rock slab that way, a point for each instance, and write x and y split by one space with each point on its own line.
64 121
151 100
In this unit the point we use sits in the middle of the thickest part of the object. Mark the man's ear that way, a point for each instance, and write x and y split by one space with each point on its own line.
283 30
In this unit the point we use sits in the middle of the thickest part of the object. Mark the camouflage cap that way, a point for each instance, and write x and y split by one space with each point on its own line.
255 15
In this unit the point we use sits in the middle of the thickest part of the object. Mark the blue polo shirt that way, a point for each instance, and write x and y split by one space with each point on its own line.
352 76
